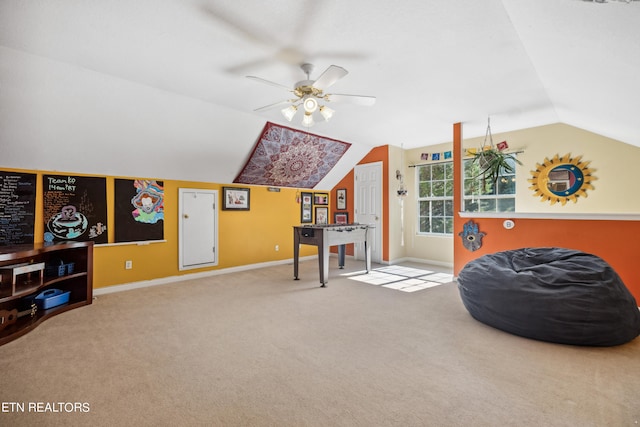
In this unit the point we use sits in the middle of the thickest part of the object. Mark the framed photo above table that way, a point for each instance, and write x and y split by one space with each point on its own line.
322 215
235 199
306 203
341 217
341 199
321 199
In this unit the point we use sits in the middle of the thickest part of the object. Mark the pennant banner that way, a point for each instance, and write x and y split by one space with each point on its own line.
501 146
469 152
446 155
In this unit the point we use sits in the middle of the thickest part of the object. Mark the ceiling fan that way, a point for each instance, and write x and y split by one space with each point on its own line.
311 93
291 49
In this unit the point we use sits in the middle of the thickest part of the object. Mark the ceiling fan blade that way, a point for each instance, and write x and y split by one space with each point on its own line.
364 100
235 24
269 82
329 77
274 105
249 66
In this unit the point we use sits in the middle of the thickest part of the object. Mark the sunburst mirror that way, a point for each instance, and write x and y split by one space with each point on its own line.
561 179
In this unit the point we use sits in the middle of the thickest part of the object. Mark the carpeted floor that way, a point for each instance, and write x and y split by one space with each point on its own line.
257 348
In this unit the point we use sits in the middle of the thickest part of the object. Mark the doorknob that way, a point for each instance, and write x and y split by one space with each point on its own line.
377 218
185 216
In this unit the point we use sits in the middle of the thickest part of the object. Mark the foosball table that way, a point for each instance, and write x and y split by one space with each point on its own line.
325 236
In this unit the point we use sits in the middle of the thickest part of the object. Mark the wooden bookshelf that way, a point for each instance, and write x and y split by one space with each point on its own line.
27 271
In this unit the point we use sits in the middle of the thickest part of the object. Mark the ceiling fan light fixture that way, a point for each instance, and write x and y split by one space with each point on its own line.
289 112
307 120
308 93
326 112
310 105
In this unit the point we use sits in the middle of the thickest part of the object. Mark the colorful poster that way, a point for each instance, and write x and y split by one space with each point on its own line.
139 210
17 207
75 208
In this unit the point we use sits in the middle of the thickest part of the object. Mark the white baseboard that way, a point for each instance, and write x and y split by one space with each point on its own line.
442 264
422 261
172 279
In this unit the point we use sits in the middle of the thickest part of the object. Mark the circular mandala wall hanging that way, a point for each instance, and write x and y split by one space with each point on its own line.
561 179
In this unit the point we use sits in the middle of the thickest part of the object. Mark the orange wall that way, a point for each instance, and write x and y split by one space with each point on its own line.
377 154
613 241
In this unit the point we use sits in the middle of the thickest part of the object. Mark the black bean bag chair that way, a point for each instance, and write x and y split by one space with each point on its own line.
550 294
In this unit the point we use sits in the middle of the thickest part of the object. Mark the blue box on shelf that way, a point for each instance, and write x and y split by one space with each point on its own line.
51 298
60 269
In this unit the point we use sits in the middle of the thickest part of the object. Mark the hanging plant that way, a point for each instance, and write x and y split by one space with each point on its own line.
492 161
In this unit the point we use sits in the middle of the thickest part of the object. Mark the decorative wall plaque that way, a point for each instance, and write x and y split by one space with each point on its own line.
471 236
561 179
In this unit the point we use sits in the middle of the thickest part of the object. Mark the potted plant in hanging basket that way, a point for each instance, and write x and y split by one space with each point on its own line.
493 162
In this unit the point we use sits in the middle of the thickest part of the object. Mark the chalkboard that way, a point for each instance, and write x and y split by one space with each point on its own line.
139 210
75 208
17 207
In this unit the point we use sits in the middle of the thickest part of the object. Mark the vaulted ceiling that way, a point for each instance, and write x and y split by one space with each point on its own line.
165 80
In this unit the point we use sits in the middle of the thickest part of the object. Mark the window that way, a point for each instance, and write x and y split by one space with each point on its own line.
435 198
435 194
482 195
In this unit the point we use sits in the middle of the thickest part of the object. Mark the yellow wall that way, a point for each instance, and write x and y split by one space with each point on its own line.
437 249
613 163
397 206
244 237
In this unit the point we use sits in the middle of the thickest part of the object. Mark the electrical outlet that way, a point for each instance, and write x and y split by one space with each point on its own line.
277 248
128 265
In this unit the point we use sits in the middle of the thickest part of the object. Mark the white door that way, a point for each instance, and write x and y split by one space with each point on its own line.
368 207
198 228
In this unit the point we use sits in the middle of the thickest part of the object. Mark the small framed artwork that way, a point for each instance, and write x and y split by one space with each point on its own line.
341 217
321 199
235 199
306 202
322 215
341 199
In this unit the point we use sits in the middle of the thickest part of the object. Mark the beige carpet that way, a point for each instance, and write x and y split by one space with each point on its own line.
257 348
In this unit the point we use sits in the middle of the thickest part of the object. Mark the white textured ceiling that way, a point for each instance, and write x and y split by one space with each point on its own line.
429 63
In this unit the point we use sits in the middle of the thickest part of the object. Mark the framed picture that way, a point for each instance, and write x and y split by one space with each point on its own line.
321 199
306 201
341 199
235 199
341 217
322 215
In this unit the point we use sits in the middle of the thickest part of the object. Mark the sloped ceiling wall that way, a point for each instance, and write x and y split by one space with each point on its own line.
55 116
158 89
